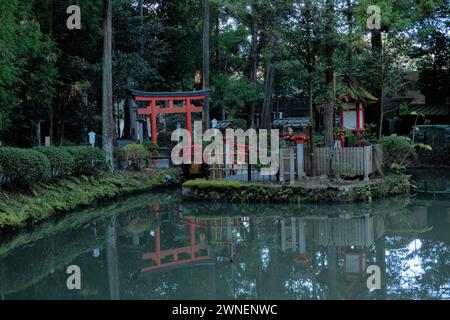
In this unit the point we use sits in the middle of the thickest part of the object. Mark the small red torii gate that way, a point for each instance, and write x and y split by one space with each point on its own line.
153 109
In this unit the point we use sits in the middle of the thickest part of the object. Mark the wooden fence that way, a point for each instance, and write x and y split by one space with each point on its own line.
350 162
331 162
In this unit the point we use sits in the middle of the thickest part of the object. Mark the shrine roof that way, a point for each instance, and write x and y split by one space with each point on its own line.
292 122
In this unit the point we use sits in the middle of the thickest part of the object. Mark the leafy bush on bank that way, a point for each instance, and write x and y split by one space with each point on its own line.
61 196
135 154
88 161
62 162
23 167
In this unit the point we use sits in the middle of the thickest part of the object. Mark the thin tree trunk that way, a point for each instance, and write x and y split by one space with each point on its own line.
51 128
206 62
253 61
107 114
380 134
330 79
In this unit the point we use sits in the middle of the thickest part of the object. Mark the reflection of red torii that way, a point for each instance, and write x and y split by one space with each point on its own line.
159 254
153 110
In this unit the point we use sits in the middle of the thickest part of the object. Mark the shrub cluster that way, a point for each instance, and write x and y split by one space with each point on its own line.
24 167
88 161
135 154
398 151
62 162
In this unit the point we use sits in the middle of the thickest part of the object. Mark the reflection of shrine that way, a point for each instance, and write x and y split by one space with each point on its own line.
177 256
229 233
347 242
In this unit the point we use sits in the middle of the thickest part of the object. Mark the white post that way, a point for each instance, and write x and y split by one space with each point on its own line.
367 159
300 161
292 165
281 165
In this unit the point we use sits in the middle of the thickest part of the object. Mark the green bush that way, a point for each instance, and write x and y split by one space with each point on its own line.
88 161
398 151
23 167
135 153
150 146
62 162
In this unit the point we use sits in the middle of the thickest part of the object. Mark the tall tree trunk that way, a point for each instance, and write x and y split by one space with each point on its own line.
350 24
329 106
217 40
376 40
268 91
377 49
311 67
382 92
253 61
107 114
206 64
141 15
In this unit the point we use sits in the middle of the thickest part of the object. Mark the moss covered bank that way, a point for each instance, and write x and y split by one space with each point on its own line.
47 200
303 192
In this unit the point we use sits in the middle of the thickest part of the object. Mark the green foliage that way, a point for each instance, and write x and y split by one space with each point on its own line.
236 192
398 151
62 162
233 93
23 167
88 161
47 200
150 146
135 154
218 184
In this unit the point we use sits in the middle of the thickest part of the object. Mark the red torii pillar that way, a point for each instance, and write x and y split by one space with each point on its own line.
153 109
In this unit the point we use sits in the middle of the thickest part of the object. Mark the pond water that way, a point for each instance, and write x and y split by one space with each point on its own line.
155 246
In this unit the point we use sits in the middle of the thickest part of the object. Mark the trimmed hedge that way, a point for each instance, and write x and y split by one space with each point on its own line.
62 162
88 161
23 167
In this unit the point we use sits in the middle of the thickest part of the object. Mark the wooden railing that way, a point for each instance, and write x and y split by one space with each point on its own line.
350 162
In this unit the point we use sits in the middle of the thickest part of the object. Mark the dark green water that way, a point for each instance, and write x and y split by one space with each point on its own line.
156 247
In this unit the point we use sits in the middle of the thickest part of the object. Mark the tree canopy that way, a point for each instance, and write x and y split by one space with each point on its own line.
264 55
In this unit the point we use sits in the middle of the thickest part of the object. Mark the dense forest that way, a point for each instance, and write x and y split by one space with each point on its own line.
257 56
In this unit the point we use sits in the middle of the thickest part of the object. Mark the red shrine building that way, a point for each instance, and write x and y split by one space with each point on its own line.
352 111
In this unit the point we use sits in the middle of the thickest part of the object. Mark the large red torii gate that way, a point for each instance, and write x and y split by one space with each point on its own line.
153 109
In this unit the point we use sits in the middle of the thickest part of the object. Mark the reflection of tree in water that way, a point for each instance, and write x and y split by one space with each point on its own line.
418 268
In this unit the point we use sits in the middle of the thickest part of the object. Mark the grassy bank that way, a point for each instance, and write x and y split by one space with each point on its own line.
47 200
312 192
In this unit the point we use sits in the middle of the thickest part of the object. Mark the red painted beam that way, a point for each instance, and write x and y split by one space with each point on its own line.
176 263
168 98
174 110
171 252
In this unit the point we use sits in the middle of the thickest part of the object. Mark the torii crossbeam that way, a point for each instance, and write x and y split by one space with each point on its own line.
153 109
